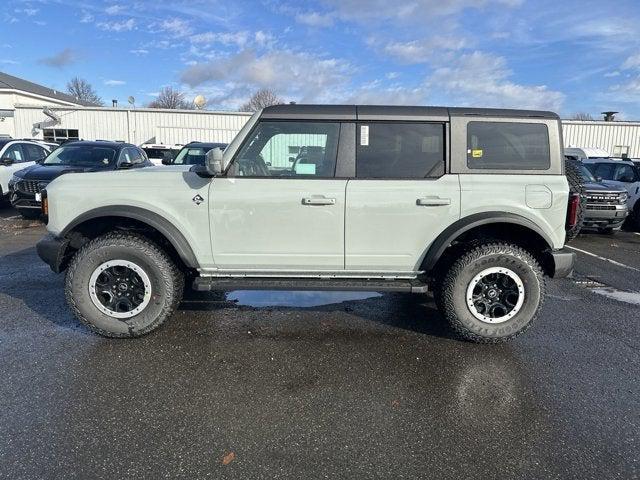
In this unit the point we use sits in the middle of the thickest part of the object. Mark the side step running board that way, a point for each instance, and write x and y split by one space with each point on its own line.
205 284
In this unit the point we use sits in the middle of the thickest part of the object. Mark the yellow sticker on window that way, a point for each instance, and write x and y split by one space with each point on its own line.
476 153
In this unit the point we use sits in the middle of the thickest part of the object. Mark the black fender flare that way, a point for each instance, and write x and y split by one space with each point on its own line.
431 256
154 220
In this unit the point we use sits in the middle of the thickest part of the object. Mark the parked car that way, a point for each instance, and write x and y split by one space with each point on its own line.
73 157
469 203
194 153
622 174
16 155
158 153
606 205
584 153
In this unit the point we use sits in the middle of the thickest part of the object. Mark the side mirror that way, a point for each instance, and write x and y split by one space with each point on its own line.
40 160
7 161
213 161
598 179
166 161
627 179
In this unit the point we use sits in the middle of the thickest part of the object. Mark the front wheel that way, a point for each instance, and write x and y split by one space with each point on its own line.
123 285
492 293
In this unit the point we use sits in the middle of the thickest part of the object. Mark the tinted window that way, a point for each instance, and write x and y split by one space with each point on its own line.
618 172
508 146
400 150
14 152
132 155
159 153
269 151
82 156
33 152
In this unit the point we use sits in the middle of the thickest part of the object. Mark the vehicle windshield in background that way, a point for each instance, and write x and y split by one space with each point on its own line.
159 153
82 156
618 172
587 176
191 156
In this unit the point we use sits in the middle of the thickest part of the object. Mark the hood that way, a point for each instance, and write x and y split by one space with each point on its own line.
48 173
602 187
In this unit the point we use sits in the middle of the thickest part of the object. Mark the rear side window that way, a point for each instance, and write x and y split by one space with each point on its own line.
400 150
508 146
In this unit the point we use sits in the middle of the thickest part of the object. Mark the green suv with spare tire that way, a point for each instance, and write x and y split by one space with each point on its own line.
472 205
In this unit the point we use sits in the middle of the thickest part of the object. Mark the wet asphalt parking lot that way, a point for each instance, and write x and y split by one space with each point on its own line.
321 385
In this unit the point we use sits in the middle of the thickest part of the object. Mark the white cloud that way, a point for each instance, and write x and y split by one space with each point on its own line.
239 39
615 73
114 9
139 51
421 51
8 61
291 74
628 92
176 27
480 79
407 10
632 62
315 19
114 83
123 26
29 12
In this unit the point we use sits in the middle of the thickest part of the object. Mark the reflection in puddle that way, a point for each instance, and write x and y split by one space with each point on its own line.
278 298
610 292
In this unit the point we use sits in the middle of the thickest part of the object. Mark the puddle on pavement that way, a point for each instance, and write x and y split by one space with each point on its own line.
606 291
279 298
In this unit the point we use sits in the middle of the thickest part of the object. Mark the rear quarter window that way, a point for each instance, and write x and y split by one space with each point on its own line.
508 146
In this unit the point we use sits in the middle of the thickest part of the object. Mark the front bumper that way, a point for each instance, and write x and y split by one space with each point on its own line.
600 215
563 262
53 251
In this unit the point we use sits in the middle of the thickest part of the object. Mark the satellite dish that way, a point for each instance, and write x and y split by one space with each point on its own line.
199 102
131 100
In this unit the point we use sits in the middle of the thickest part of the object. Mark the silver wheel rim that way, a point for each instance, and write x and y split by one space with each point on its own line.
120 289
495 295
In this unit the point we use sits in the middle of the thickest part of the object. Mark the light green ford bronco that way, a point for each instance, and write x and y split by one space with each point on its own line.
471 204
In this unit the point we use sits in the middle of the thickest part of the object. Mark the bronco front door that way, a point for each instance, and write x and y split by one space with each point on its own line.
280 208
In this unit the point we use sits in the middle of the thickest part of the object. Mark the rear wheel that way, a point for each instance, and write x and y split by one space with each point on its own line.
123 285
492 293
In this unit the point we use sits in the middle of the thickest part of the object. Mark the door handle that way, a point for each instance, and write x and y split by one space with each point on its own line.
318 201
433 201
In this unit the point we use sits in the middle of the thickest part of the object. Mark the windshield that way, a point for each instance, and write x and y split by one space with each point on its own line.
82 156
159 153
587 176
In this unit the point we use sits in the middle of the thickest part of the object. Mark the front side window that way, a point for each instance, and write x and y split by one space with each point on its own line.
191 156
400 150
14 152
82 156
289 149
34 152
508 146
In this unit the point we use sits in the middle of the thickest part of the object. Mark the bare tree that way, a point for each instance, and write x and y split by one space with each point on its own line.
262 98
582 116
172 99
82 90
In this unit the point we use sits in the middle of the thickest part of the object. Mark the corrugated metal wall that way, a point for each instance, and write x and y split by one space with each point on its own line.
182 126
135 126
606 135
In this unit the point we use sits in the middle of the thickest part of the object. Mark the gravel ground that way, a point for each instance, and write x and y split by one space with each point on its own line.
321 385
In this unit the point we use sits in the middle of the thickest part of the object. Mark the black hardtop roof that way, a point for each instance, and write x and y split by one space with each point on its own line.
393 112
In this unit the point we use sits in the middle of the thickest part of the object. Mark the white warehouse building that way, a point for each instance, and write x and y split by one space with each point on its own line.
29 110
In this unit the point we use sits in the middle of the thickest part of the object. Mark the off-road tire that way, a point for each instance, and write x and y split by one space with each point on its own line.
167 284
453 301
576 185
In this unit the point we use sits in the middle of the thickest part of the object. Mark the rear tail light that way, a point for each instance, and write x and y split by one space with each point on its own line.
572 210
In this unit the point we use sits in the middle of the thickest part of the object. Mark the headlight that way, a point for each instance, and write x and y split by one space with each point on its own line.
623 197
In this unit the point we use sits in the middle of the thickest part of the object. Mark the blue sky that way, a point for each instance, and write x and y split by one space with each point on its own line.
564 55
